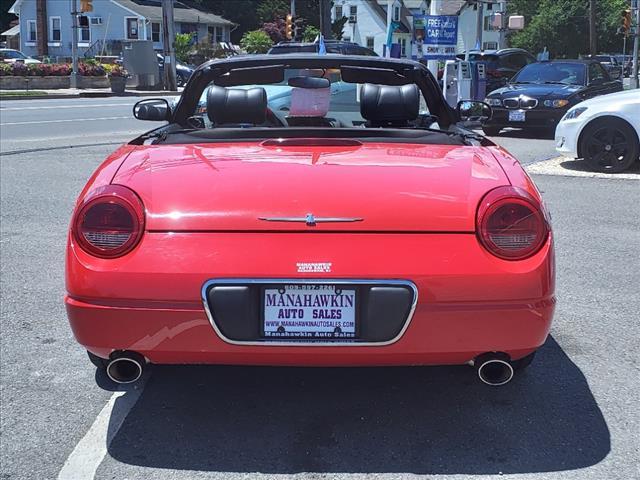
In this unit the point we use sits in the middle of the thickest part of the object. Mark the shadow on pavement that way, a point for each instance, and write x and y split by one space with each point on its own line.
439 420
582 166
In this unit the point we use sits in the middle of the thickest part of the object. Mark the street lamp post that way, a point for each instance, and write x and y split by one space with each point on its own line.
74 44
636 41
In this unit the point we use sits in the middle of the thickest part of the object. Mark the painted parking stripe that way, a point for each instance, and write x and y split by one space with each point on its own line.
64 121
91 450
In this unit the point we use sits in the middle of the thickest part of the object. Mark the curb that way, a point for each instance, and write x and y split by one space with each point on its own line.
58 96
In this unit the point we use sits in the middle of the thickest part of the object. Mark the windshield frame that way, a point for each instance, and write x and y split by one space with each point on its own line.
410 70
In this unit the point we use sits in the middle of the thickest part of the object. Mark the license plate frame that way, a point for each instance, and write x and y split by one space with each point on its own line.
517 116
351 333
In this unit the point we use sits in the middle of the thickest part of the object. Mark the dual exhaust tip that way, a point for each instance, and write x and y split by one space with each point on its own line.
494 369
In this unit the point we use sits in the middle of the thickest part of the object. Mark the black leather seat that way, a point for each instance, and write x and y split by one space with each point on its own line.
389 106
236 106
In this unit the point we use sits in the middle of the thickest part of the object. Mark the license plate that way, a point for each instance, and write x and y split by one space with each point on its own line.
517 116
309 311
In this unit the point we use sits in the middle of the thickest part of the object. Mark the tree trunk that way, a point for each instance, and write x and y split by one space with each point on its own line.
593 36
41 26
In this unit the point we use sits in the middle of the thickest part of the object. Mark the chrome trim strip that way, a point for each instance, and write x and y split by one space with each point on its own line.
294 281
311 220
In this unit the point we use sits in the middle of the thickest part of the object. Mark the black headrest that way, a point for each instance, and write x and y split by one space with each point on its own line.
386 104
236 105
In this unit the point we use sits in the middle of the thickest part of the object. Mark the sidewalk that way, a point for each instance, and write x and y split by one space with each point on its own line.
80 93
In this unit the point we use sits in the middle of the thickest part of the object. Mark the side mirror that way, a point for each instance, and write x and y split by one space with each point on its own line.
472 112
152 109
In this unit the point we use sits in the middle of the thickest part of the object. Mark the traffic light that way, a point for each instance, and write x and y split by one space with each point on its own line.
86 6
626 21
288 32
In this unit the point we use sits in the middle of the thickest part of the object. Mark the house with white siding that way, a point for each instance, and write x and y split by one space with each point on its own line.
46 26
367 22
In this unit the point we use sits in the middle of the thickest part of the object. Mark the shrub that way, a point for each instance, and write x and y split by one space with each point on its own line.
115 71
182 46
310 33
256 41
5 69
88 70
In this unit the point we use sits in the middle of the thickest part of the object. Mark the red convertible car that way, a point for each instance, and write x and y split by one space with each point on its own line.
310 210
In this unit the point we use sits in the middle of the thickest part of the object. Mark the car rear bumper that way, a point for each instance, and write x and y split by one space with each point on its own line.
468 302
534 118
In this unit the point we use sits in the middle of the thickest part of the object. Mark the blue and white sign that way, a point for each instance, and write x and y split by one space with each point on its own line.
436 36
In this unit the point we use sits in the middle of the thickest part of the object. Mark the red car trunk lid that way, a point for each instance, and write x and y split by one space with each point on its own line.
234 187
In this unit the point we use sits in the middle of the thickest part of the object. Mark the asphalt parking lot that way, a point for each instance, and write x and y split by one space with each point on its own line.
573 414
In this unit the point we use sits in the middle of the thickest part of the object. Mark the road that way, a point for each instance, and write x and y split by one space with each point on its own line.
572 415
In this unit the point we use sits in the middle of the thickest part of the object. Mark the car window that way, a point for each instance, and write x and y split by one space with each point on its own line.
517 61
12 54
596 72
547 72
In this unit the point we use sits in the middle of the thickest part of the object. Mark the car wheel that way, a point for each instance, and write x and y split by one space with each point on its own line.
609 146
491 131
524 362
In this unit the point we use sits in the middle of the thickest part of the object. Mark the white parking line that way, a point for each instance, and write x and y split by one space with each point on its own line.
45 107
64 121
91 450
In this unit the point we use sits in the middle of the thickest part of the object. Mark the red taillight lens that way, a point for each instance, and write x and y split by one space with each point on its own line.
110 222
511 224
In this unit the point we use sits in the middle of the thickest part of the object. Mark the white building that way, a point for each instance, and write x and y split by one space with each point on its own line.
367 24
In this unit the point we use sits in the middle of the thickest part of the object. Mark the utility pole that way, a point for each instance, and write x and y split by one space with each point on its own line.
636 41
74 44
593 44
502 39
292 10
479 24
434 9
168 46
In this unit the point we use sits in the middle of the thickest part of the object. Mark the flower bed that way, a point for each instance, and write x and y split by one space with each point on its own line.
18 76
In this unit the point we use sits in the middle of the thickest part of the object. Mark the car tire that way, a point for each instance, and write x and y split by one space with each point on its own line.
609 145
180 81
491 131
524 362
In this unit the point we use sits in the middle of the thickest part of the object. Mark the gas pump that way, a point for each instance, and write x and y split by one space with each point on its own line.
465 78
479 81
450 82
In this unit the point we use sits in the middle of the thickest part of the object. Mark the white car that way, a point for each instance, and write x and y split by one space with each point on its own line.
8 55
604 131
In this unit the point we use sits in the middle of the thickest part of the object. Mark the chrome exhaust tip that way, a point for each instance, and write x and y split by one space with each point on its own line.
494 369
127 367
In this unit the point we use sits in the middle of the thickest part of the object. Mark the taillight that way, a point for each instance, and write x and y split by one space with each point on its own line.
511 224
110 223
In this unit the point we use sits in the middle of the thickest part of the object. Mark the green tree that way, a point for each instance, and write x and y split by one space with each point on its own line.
256 41
270 10
310 33
337 26
182 46
563 26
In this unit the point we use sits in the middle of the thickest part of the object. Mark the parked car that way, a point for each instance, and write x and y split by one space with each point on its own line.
610 63
541 93
332 46
604 131
254 237
8 55
501 65
183 71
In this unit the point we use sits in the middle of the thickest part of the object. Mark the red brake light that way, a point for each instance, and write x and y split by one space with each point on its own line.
110 223
511 224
